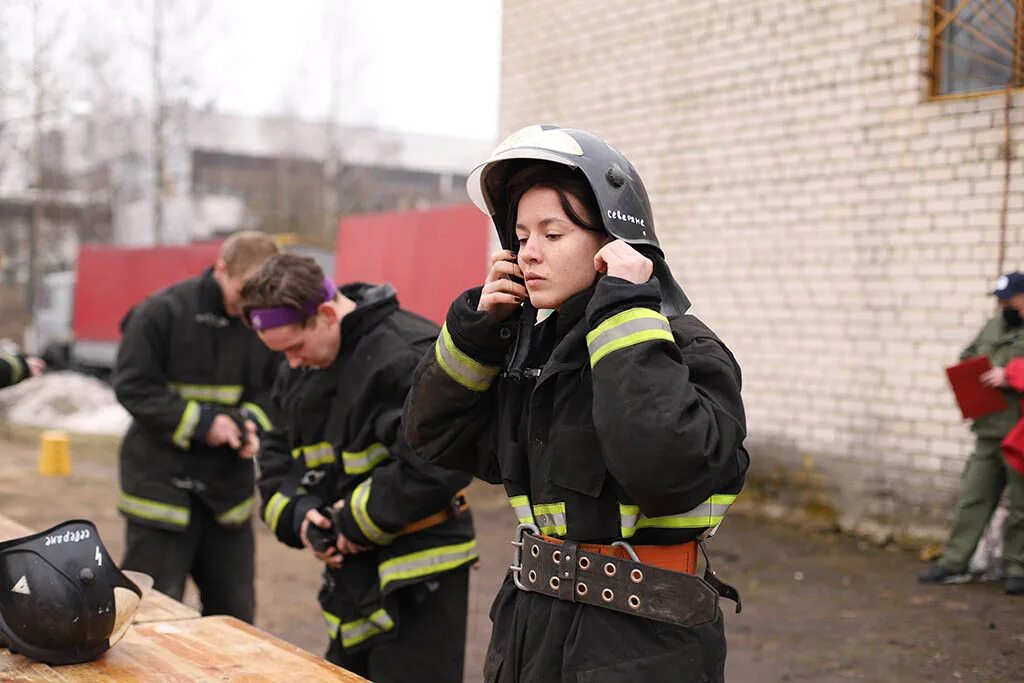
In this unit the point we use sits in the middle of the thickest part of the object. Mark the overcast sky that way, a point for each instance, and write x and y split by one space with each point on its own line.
429 67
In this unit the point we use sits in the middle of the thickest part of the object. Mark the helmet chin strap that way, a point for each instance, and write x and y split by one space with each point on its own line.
674 301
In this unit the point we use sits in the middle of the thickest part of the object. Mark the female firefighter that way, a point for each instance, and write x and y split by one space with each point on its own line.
614 421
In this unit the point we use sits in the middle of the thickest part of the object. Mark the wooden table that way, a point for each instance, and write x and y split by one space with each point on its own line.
171 643
187 651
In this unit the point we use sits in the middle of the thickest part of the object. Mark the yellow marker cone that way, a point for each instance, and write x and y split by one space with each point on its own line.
55 454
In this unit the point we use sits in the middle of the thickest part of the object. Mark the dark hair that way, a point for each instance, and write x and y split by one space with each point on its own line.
565 182
284 280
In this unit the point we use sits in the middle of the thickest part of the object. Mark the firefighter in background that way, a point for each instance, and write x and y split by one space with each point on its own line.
336 476
15 367
615 423
196 382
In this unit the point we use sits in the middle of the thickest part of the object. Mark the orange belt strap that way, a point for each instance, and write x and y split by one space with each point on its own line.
438 517
681 557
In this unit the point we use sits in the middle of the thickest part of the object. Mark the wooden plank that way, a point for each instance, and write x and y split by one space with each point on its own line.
196 650
156 606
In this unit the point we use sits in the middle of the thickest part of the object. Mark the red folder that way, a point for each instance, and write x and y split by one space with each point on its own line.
975 399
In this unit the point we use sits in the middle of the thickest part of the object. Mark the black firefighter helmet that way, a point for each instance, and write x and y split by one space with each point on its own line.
62 599
620 193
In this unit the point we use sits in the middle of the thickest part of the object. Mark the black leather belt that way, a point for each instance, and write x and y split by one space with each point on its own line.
566 572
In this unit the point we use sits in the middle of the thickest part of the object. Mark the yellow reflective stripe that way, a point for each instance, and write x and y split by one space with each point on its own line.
228 394
272 512
239 513
550 518
460 367
708 514
315 454
333 623
360 497
261 417
628 328
361 630
153 510
17 371
426 562
365 460
186 425
521 506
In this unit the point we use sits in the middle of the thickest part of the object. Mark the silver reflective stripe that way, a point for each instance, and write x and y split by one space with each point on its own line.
186 425
272 512
426 562
17 372
153 510
460 367
227 394
627 328
333 623
707 514
360 630
521 506
360 513
364 461
261 417
239 513
550 518
315 454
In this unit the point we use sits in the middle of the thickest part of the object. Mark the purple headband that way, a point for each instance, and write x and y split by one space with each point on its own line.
268 318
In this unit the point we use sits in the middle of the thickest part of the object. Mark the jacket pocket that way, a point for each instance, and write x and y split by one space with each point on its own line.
575 462
680 666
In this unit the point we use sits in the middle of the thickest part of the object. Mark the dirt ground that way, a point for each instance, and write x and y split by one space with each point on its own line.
818 606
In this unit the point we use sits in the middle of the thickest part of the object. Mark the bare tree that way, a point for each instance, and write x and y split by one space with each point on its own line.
44 37
171 25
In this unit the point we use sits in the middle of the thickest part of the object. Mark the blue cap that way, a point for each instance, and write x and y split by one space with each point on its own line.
1009 285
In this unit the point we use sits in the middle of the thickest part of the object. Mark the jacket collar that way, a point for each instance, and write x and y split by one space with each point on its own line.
374 303
570 350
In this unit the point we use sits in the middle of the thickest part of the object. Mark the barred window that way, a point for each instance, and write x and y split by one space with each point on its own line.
976 46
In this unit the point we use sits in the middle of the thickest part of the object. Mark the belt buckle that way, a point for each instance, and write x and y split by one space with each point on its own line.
517 557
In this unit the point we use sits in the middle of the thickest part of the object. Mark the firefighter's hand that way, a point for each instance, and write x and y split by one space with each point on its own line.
252 441
619 259
501 296
345 546
332 558
995 378
224 432
36 366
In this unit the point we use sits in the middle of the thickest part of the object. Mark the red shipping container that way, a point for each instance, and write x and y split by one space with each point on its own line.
429 256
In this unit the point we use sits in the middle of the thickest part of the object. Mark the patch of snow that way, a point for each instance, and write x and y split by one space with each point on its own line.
65 400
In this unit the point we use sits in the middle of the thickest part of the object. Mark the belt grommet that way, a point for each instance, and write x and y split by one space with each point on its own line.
554 582
581 589
607 595
532 576
634 602
609 569
584 563
535 550
556 556
636 575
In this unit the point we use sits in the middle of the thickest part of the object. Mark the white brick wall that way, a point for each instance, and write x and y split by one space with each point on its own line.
836 228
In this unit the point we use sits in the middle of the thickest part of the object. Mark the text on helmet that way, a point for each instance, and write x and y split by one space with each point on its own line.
72 536
626 218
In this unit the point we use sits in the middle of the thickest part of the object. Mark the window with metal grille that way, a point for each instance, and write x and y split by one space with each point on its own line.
977 46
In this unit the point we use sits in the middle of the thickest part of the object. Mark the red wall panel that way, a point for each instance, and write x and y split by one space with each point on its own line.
110 280
429 256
